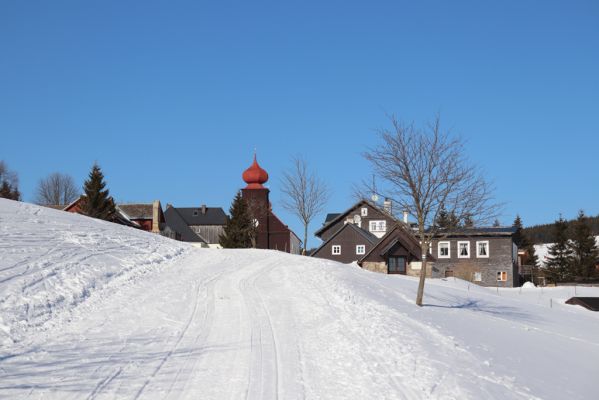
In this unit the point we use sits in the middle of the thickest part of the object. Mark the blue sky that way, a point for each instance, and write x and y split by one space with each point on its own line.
171 98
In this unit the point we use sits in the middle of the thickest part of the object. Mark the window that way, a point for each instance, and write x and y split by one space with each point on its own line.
482 249
396 265
443 250
364 211
336 250
195 213
477 277
502 276
360 249
463 249
378 226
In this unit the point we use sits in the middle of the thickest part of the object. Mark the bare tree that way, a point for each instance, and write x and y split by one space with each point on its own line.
56 189
305 195
426 171
9 183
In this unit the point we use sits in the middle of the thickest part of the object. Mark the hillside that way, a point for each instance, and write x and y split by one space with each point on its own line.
539 234
95 310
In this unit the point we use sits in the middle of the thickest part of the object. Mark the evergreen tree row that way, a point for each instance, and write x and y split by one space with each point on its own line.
573 254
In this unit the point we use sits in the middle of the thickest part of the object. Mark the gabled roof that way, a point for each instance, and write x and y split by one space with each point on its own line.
177 224
334 217
372 239
281 222
202 215
137 211
406 238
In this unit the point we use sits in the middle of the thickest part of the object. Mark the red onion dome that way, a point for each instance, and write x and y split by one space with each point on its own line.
255 176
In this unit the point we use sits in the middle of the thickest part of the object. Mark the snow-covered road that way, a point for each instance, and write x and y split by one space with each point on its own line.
182 323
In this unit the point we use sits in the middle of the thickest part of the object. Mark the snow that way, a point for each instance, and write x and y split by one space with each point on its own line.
542 250
528 285
95 310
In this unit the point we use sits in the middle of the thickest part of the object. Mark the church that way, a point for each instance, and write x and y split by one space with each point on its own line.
271 233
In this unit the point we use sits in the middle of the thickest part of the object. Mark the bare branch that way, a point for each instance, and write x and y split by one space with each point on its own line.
425 171
56 189
305 195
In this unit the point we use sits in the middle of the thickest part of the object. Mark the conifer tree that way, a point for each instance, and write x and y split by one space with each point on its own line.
519 234
560 254
447 220
583 247
240 230
97 202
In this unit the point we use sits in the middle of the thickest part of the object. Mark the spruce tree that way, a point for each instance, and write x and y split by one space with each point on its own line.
239 230
560 254
583 247
96 201
519 234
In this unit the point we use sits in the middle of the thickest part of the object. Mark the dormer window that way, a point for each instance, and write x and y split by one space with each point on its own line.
364 211
378 226
195 213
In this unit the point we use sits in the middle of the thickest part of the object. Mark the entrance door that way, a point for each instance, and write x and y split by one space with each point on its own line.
396 265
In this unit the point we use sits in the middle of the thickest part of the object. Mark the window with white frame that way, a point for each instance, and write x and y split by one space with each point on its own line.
478 276
360 249
364 211
482 249
444 250
501 276
336 250
378 226
463 249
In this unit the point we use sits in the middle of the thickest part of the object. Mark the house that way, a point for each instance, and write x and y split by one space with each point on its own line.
374 239
201 226
271 232
486 256
149 216
397 252
145 216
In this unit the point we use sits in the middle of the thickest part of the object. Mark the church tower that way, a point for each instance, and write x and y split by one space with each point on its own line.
256 196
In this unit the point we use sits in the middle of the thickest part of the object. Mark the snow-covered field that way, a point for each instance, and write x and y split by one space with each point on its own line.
94 310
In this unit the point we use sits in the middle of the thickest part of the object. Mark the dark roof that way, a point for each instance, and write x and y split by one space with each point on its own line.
590 303
202 216
177 224
372 239
138 211
479 231
330 217
333 218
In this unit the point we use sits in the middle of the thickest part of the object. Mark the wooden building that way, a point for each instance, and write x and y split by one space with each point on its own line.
377 241
201 226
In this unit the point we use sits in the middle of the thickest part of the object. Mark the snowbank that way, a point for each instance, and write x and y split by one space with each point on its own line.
53 260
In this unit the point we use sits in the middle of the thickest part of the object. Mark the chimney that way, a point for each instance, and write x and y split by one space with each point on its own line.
388 206
203 209
156 216
405 217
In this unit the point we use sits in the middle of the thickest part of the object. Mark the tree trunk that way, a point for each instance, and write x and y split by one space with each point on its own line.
305 239
420 293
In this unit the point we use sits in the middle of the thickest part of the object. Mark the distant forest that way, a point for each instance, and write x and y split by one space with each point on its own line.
544 233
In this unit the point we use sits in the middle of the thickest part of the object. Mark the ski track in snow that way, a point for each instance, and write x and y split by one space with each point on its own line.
90 310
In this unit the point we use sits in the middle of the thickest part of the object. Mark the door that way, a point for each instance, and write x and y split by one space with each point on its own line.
396 265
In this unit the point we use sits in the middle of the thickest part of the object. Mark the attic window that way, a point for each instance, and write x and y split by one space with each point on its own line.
364 211
336 250
378 226
195 213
